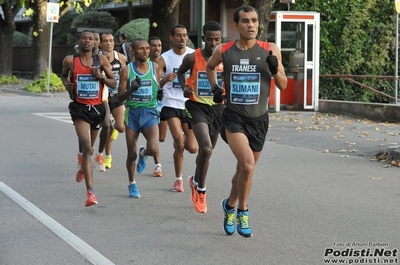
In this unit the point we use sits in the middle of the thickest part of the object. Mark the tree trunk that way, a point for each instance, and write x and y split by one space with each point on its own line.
7 28
164 15
41 38
264 9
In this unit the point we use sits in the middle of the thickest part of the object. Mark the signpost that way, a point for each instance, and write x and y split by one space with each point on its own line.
397 5
52 15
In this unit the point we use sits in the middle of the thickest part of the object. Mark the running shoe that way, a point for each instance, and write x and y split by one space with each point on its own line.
79 174
229 218
107 161
193 196
142 163
243 225
114 135
99 162
91 199
200 204
178 186
133 191
157 171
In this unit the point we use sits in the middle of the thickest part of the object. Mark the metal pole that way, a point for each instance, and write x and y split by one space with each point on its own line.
397 59
200 22
49 65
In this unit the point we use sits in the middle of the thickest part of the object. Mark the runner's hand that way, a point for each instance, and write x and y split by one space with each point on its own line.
217 91
272 62
135 84
160 94
187 91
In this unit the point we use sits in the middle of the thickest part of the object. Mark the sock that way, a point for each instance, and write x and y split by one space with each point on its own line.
101 154
142 153
132 182
179 178
158 164
89 191
201 190
239 210
107 155
227 205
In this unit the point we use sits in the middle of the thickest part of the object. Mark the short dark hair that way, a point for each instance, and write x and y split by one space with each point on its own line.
153 38
136 41
105 33
212 26
245 9
177 26
85 31
124 36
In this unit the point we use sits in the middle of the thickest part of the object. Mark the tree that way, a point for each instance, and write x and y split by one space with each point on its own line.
164 15
7 29
264 9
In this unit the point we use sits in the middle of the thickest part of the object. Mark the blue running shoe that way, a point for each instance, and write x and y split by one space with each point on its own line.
142 162
229 219
133 191
243 226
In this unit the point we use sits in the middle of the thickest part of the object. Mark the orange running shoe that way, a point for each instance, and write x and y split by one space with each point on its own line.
91 199
193 188
99 162
178 186
201 204
157 171
79 175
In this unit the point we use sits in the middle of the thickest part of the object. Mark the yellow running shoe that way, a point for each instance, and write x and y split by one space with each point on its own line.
114 135
107 161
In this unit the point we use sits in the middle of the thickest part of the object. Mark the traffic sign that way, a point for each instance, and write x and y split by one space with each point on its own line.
53 11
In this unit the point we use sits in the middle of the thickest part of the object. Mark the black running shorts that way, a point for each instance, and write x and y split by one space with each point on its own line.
254 128
199 112
94 115
114 103
168 112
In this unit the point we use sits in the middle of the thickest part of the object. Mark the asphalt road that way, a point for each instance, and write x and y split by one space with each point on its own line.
315 195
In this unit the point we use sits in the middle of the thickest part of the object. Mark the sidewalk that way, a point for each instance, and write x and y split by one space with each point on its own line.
20 89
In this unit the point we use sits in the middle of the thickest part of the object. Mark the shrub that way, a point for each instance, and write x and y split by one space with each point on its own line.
137 28
92 19
20 39
40 85
9 80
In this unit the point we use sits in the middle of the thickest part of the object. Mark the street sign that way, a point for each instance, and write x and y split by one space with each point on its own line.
53 11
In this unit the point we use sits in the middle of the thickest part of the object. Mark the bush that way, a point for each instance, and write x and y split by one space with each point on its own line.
20 39
137 28
92 19
6 80
61 29
40 85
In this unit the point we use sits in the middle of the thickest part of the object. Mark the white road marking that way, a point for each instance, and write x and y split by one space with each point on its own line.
59 116
89 253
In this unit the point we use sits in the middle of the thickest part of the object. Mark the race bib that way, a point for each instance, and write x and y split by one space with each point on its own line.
245 88
144 93
113 91
87 86
203 85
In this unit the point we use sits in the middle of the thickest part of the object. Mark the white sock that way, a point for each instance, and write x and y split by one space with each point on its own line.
142 153
132 182
157 165
201 189
179 178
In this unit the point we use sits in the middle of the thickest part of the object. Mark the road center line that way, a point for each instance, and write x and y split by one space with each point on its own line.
89 253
